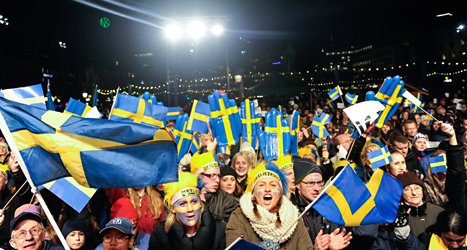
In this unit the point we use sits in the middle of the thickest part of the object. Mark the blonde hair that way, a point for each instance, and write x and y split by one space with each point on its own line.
247 159
154 201
185 179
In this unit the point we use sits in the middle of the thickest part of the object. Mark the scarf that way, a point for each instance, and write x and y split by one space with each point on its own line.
265 226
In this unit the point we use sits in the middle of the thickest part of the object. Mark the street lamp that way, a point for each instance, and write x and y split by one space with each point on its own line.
239 79
62 44
85 94
174 32
4 20
217 30
196 29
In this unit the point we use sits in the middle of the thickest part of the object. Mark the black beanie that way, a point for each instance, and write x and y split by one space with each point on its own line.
303 167
227 170
73 225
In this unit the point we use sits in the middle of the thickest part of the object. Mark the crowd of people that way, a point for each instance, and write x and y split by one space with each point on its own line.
221 197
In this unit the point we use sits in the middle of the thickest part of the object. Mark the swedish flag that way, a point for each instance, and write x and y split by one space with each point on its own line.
294 131
76 108
31 95
318 125
50 101
133 109
415 107
184 137
351 99
335 93
406 103
380 157
172 113
195 144
225 118
390 95
347 201
438 164
98 153
198 117
330 105
249 122
69 191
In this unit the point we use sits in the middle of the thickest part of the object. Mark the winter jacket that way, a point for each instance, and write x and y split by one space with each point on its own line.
221 204
313 221
455 179
412 162
210 235
436 194
240 225
421 218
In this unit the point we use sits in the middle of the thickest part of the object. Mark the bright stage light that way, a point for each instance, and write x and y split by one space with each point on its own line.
217 30
173 32
196 29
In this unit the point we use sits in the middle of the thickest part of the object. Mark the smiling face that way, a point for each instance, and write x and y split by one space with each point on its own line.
413 195
241 166
228 183
75 240
267 192
188 210
22 237
397 166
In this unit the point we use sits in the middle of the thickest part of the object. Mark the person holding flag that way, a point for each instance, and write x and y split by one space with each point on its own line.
435 181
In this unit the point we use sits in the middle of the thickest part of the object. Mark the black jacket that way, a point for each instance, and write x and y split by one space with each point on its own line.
211 235
314 222
412 162
455 179
221 204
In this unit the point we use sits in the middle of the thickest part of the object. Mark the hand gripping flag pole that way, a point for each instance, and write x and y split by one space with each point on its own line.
34 190
417 103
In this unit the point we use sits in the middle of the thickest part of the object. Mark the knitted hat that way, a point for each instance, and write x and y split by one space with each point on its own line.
28 208
266 169
409 178
75 224
124 208
226 170
303 167
247 147
424 118
187 184
418 136
284 162
200 163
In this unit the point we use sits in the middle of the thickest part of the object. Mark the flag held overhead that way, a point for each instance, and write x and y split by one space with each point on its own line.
318 126
31 95
199 117
380 157
96 152
438 164
335 93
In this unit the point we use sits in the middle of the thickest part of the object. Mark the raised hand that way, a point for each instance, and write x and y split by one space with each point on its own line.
322 241
339 240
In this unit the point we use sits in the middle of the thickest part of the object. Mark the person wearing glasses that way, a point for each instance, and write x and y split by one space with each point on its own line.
27 232
189 225
309 184
422 214
220 203
118 234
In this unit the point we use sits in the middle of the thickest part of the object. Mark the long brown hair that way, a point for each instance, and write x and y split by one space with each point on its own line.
154 201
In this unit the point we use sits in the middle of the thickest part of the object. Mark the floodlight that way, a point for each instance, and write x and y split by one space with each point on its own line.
173 32
196 29
217 30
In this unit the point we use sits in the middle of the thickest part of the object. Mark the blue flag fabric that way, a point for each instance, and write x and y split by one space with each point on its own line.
351 99
330 105
31 95
69 191
184 137
98 153
294 131
195 145
275 141
199 116
244 245
172 113
349 202
225 119
318 125
50 101
75 107
438 164
380 157
334 93
390 95
250 123
137 110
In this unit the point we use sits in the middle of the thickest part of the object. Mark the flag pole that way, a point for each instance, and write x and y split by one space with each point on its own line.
310 205
113 104
14 148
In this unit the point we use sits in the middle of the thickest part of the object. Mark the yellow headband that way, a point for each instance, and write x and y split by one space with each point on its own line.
183 193
263 174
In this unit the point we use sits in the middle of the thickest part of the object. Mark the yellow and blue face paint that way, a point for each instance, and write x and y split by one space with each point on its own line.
188 209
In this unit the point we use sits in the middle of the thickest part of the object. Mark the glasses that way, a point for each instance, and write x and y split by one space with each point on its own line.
411 189
312 184
23 233
119 239
212 176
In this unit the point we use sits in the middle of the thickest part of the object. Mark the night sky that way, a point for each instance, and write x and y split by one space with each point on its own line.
38 26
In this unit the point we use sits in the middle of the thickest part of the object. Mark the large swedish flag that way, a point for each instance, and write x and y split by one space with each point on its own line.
96 152
347 201
31 95
133 109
